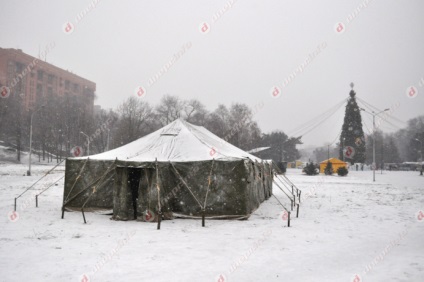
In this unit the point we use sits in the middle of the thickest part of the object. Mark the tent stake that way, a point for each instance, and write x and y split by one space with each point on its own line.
36 201
288 220
297 212
203 218
83 215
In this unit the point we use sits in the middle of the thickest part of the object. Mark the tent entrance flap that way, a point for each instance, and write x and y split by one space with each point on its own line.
134 180
132 193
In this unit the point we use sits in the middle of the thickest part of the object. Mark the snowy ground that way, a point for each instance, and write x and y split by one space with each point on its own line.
347 226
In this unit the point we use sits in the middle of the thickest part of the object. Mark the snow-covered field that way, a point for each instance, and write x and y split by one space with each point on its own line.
349 229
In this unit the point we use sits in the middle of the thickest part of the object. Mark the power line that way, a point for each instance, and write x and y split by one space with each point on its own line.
309 126
374 108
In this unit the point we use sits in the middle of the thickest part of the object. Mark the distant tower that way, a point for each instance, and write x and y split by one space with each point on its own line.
352 134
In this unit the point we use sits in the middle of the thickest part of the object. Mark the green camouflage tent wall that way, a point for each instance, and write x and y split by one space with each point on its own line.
180 169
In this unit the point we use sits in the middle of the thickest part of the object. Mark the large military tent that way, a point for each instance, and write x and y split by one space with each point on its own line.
180 169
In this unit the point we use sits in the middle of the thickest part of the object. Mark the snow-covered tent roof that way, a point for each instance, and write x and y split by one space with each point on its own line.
179 141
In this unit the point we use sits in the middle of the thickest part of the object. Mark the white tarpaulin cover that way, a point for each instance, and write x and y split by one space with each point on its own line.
179 141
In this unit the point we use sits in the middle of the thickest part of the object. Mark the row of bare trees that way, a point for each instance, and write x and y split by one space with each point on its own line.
59 121
137 118
56 125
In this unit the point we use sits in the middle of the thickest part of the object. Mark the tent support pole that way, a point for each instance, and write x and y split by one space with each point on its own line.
291 204
297 212
294 199
63 212
288 220
83 215
203 217
157 186
300 193
15 204
159 219
36 201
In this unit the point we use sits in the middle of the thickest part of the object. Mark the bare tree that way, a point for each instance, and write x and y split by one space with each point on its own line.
169 109
195 112
135 116
218 122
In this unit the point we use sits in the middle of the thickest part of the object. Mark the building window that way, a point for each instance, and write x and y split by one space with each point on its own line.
67 84
39 90
76 87
50 79
40 75
19 67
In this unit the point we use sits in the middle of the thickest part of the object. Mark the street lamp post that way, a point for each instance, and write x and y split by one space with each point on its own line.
88 143
30 141
107 146
328 152
373 136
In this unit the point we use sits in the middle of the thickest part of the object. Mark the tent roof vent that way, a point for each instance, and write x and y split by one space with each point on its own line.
171 132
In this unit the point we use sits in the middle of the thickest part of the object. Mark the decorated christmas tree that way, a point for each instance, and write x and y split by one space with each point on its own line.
352 140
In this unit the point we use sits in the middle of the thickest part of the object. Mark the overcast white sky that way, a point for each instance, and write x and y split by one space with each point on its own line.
251 48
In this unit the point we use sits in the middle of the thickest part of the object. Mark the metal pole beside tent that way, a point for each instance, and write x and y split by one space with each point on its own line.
297 212
158 188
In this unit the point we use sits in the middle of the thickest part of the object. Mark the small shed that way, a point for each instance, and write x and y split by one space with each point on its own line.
335 162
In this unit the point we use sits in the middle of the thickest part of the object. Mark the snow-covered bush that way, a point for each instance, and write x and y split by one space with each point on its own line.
342 171
310 169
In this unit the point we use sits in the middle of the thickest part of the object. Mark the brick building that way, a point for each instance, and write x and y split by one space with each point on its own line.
32 79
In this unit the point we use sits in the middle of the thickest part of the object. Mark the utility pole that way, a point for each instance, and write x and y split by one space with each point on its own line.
30 141
373 136
328 152
88 143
